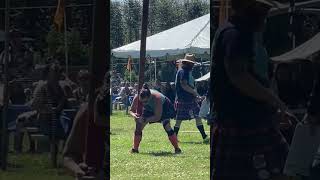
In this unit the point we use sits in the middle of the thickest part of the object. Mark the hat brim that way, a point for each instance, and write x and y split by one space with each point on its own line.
185 60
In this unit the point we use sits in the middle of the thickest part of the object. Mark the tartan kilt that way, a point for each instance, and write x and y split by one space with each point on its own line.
250 154
186 110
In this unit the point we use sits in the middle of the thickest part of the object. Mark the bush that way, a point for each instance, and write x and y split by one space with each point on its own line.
78 53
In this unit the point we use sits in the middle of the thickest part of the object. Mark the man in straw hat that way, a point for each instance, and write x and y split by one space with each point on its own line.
246 143
186 102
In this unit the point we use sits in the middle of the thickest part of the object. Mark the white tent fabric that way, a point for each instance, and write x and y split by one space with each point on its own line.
303 51
192 36
203 78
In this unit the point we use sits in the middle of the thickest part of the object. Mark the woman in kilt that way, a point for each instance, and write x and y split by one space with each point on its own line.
157 108
186 103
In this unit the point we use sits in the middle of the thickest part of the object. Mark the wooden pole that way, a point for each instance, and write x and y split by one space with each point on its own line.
4 139
222 11
144 29
292 24
99 65
66 42
155 70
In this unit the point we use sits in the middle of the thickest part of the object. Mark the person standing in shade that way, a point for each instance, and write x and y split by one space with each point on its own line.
246 140
186 103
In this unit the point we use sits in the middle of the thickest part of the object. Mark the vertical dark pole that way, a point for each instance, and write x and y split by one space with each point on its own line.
144 29
292 23
211 75
5 92
99 64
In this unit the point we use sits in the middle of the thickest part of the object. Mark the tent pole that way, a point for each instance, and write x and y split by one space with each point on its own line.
144 29
155 70
4 134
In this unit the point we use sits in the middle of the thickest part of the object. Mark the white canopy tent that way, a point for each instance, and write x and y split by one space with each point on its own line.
192 36
303 51
204 78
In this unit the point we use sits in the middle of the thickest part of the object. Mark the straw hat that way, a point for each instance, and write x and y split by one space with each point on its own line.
190 58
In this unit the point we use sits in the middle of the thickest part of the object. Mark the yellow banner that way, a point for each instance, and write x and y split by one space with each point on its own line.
59 15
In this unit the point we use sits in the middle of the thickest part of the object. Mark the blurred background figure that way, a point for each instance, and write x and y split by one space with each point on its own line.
169 92
158 86
81 93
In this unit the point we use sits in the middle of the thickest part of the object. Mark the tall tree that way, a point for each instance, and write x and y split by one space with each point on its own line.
117 26
165 12
196 8
132 18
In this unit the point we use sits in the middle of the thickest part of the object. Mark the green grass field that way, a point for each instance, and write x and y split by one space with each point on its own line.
32 167
156 159
27 166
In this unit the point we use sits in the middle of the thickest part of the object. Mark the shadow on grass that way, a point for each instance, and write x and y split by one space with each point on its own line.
187 142
117 131
159 154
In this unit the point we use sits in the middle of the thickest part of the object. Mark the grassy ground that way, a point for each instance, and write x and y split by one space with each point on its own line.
156 159
27 166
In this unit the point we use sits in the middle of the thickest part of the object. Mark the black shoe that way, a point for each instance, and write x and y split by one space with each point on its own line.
206 140
133 151
177 151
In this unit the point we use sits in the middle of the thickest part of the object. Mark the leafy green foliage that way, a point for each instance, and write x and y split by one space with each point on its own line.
134 77
78 53
167 72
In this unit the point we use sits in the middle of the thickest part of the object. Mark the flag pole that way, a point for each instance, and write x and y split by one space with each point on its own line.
66 41
130 75
155 70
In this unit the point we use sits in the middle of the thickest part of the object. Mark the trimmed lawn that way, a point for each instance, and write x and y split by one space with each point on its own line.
156 159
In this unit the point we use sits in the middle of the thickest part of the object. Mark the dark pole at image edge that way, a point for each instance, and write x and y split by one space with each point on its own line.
98 67
143 45
4 134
